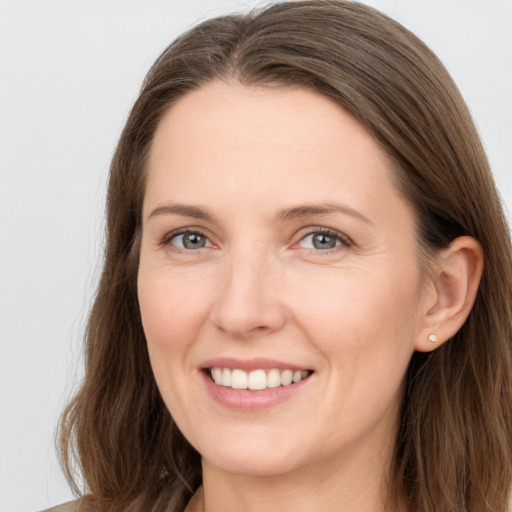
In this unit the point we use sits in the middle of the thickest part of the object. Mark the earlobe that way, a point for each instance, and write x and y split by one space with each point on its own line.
454 283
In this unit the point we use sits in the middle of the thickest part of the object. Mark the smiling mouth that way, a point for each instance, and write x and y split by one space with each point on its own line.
256 380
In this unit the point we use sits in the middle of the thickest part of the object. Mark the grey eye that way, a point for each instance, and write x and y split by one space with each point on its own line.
189 241
320 241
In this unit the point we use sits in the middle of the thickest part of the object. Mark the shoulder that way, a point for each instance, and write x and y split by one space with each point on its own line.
71 506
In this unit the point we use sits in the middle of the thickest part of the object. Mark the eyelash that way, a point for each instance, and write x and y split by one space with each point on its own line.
345 242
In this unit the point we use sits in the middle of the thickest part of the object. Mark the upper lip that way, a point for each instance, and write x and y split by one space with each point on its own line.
250 364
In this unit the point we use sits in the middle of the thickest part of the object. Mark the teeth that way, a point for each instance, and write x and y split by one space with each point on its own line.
226 377
256 379
286 378
273 378
217 375
239 379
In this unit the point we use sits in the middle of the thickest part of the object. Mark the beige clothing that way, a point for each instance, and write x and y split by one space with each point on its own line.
70 506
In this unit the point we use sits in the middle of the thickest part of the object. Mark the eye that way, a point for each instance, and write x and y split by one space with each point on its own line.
189 240
323 240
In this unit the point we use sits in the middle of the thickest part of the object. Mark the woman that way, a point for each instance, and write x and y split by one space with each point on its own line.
295 312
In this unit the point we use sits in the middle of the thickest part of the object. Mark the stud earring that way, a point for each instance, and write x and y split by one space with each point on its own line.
432 338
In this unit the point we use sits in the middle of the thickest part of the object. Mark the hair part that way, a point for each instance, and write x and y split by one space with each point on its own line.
453 449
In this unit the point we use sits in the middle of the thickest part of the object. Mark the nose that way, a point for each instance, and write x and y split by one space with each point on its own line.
248 301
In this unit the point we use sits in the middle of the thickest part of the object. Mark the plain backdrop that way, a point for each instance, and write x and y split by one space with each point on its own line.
69 72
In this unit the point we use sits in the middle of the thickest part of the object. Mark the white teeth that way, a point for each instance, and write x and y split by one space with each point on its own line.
238 379
286 378
226 377
217 375
256 379
273 378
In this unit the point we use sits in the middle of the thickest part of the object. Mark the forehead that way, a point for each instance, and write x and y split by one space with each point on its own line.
251 115
261 143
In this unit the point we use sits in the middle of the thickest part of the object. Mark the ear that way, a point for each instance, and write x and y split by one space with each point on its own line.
453 285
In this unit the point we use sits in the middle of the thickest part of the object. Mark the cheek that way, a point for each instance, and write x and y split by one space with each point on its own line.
365 327
357 305
171 307
172 311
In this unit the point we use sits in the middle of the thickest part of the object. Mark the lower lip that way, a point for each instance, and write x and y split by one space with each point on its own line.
247 400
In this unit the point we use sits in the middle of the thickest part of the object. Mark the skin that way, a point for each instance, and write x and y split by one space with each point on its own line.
259 288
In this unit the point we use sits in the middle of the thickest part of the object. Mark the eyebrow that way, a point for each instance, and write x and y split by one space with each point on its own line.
292 213
184 210
303 211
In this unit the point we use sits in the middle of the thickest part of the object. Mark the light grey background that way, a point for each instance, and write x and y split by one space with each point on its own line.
69 72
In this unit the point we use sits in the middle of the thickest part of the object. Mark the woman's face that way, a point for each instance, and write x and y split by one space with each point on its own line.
276 246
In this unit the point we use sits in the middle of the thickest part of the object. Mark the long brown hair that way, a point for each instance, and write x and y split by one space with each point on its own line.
454 446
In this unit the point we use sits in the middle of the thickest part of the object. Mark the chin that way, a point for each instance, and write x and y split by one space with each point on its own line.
252 459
